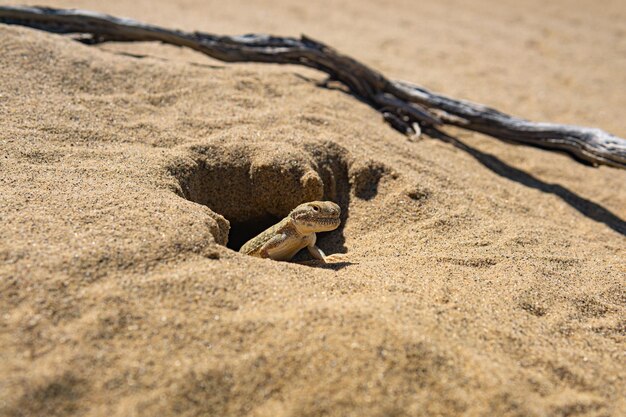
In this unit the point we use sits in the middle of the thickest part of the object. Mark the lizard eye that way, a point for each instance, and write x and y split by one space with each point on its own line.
316 208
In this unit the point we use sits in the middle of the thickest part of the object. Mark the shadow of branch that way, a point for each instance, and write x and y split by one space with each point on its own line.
586 207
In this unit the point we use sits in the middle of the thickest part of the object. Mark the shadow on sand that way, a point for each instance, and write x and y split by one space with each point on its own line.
586 207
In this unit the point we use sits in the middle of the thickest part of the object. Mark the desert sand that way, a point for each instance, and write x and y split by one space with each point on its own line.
480 280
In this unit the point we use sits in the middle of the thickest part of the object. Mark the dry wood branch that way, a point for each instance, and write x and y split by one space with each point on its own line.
402 103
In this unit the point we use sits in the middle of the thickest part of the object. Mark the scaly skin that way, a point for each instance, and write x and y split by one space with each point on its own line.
295 232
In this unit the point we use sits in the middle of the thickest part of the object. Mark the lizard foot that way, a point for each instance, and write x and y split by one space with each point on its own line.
336 257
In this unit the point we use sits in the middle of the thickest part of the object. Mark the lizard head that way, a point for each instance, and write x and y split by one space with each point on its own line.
316 216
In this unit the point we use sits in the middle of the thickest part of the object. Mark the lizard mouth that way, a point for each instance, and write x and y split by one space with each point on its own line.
317 219
328 221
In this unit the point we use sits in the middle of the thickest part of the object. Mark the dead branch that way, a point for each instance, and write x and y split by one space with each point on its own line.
402 103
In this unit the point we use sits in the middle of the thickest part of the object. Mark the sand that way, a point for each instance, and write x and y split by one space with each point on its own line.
483 281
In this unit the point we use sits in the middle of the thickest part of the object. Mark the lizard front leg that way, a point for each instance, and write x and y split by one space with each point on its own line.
320 255
273 243
316 252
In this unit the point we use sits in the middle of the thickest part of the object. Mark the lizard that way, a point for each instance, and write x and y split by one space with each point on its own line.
295 232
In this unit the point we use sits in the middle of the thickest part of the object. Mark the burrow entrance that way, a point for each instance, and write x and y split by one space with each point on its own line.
254 185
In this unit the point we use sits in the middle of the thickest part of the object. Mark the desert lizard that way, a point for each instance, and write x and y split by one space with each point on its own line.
296 231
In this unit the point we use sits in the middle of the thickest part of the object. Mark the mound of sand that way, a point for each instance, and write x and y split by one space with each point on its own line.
485 279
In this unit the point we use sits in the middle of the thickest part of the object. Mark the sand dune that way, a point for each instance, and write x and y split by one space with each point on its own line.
484 279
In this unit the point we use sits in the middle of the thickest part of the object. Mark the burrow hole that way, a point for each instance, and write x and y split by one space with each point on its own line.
256 185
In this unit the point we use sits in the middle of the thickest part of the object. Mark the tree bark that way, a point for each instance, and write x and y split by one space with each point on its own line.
404 105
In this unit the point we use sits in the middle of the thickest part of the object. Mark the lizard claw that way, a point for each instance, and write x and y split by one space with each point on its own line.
336 257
